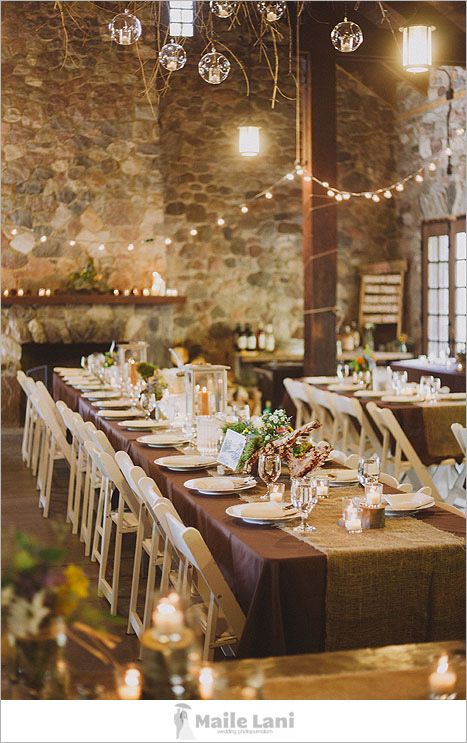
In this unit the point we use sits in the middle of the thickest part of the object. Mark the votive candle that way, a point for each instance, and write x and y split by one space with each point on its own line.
373 493
443 680
353 522
276 492
129 683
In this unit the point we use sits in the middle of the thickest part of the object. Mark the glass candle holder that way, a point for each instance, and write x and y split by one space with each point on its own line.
207 434
321 485
128 682
353 520
443 680
368 470
373 494
276 492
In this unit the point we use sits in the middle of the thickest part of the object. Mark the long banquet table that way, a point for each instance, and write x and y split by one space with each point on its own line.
279 580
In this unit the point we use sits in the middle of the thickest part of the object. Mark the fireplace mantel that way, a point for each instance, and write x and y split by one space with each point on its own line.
69 299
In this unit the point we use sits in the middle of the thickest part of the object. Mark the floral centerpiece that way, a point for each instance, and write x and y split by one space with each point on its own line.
110 359
363 363
274 434
152 375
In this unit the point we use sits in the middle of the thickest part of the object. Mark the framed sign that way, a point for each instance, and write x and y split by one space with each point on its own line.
231 449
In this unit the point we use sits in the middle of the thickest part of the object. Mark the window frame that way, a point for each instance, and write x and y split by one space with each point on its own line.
449 226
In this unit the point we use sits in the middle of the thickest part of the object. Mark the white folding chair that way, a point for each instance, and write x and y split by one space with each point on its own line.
358 436
348 460
222 618
323 408
125 520
456 493
73 423
27 385
393 483
406 458
150 541
297 392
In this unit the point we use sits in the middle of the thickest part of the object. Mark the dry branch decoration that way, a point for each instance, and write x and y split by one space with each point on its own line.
313 458
259 37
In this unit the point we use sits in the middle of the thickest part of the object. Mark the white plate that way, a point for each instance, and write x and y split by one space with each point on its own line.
452 396
118 414
321 380
69 369
407 502
143 425
185 462
97 395
402 398
118 404
368 393
90 386
261 513
162 440
220 485
345 387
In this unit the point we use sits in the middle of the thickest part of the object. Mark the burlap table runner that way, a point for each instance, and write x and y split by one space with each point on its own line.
388 586
437 420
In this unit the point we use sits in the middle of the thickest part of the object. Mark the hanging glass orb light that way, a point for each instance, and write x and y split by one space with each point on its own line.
214 67
125 28
271 11
417 48
172 56
223 8
346 36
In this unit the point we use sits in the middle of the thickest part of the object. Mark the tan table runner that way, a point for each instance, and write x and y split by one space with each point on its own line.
391 585
437 420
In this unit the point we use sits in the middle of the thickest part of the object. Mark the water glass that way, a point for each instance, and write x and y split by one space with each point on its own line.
399 381
304 498
241 412
269 470
147 403
425 385
435 387
368 470
343 372
207 435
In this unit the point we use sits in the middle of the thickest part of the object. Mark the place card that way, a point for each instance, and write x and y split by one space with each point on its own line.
231 449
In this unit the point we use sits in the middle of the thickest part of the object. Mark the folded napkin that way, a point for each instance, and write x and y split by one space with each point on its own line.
341 475
407 501
264 510
222 484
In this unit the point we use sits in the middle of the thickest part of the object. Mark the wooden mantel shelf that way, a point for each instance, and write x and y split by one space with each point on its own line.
30 299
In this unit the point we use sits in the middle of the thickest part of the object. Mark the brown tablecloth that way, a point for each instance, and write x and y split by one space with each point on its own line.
416 368
279 581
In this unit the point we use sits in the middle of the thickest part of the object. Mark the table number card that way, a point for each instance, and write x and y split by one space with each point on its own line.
231 449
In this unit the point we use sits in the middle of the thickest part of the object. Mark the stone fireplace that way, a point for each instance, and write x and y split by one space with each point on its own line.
63 331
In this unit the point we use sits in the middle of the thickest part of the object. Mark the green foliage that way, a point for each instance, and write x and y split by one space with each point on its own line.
87 280
146 370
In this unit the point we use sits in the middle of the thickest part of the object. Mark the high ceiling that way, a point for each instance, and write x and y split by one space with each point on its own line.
378 61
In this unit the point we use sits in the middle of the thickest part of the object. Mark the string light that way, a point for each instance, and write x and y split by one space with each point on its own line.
419 178
14 231
375 198
299 170
268 195
130 247
290 176
193 232
43 239
448 151
221 222
244 209
72 243
330 193
400 187
338 197
432 167
307 178
324 184
387 194
101 247
168 241
346 196
367 195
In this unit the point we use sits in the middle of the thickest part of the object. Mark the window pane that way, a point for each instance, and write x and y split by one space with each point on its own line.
444 301
175 29
444 275
444 248
461 301
175 16
433 301
460 273
443 328
460 245
432 274
432 327
432 248
432 348
187 16
460 328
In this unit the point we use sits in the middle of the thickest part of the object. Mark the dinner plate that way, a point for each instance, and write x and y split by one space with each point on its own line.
118 414
220 485
452 396
101 395
68 369
163 440
402 398
143 424
338 477
321 380
262 513
368 393
344 387
407 502
90 387
185 462
119 404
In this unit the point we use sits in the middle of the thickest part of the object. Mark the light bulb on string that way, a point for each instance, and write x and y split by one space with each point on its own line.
125 28
290 176
375 198
325 184
387 194
346 36
43 239
367 195
223 8
307 178
72 243
346 196
448 151
271 11
432 167
299 170
400 187
419 178
221 221
339 197
101 247
244 209
331 193
214 67
130 247
193 232
460 131
172 56
268 195
168 241
14 231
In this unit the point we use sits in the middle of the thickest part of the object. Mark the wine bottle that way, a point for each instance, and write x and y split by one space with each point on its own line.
251 339
270 338
242 340
261 338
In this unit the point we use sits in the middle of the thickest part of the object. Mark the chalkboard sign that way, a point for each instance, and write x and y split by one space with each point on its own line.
382 294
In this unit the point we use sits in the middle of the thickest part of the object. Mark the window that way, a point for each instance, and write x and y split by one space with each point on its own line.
444 286
181 17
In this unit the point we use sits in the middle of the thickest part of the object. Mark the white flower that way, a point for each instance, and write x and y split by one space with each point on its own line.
25 616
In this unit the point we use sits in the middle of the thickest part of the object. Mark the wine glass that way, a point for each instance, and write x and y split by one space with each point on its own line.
304 498
269 470
368 470
425 384
147 402
435 387
343 372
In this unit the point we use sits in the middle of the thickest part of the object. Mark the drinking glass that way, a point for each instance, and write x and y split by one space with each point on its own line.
304 498
147 402
425 384
207 434
269 470
435 387
399 381
241 412
343 372
368 470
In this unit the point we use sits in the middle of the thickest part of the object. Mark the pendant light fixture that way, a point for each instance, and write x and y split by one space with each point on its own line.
417 48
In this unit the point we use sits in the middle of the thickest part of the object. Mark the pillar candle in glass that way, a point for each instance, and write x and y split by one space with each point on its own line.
373 493
443 680
128 682
206 389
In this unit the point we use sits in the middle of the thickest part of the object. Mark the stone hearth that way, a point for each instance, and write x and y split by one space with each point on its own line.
71 325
